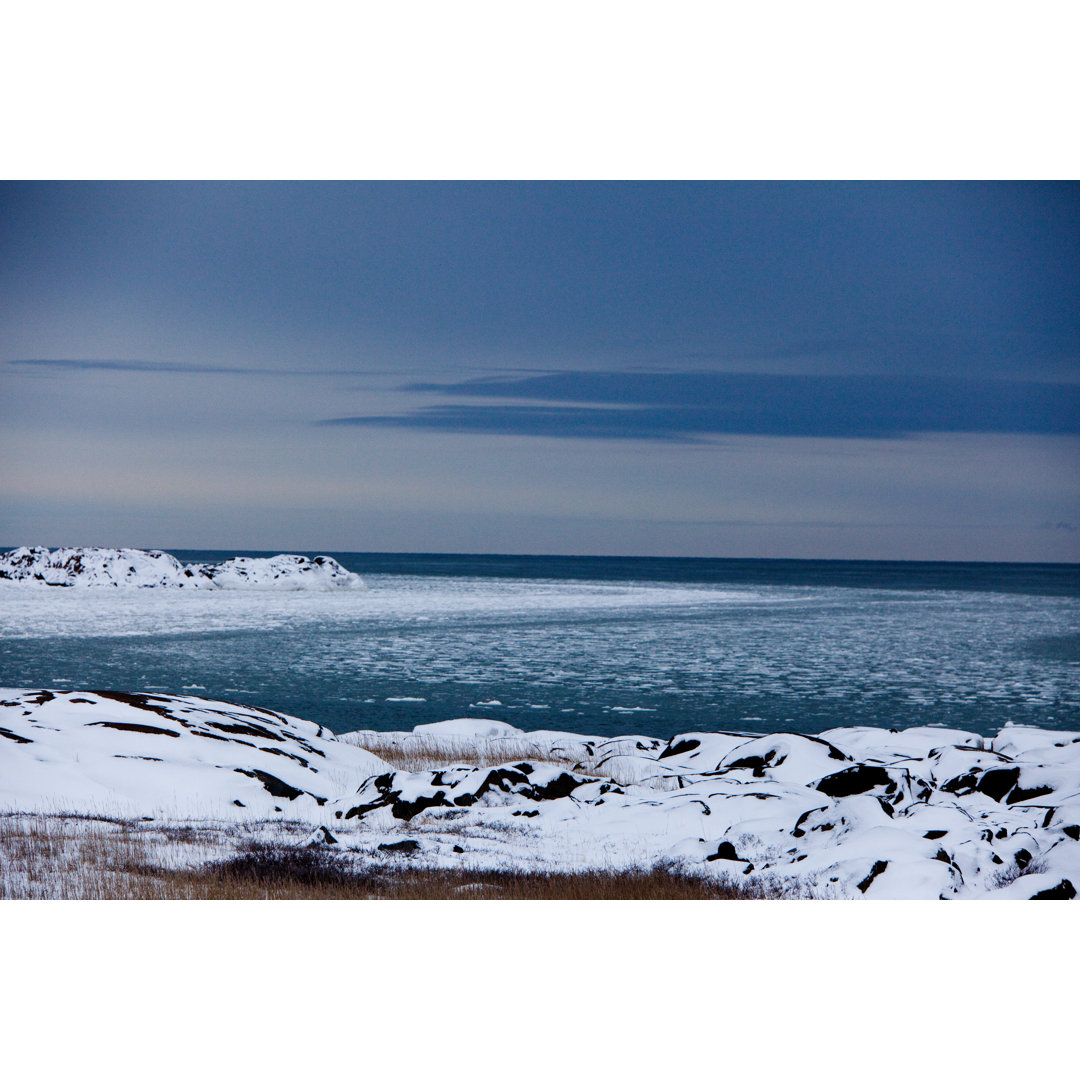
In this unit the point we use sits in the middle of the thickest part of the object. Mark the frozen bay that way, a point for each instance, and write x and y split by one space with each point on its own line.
603 646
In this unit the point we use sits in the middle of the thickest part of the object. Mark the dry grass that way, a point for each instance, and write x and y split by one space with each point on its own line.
316 873
75 858
56 857
421 753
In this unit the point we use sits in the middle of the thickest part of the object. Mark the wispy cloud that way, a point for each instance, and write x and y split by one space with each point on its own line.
688 406
165 367
151 366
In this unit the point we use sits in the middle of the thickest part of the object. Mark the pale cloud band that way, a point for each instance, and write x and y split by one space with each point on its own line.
685 406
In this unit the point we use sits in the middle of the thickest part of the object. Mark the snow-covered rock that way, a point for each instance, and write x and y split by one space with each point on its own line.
467 728
88 567
152 754
915 814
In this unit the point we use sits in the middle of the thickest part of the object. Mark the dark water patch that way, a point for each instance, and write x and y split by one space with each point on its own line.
1036 579
1059 647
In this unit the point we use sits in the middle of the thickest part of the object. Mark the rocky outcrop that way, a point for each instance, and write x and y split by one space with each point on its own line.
921 813
89 567
156 754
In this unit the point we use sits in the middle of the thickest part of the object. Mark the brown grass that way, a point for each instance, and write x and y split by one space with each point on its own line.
74 858
316 873
419 753
56 857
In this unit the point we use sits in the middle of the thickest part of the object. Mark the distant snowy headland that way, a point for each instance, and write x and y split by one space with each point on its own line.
93 567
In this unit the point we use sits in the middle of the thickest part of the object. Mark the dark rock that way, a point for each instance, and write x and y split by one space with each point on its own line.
877 868
1019 794
13 737
798 831
935 834
1072 831
753 761
559 788
1065 890
146 729
145 702
502 779
684 746
220 738
285 753
997 783
364 808
726 850
834 752
402 847
255 730
853 781
1023 858
406 811
278 788
963 784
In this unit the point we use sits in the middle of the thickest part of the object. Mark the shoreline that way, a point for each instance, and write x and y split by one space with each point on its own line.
921 813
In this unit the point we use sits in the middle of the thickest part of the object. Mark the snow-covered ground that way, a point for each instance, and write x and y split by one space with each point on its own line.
856 812
90 567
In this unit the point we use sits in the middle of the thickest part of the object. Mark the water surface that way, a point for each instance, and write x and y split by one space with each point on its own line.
602 646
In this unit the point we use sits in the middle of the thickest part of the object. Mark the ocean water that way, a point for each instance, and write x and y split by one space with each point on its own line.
595 645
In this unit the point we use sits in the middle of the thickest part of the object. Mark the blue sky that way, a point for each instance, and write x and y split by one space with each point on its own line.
778 369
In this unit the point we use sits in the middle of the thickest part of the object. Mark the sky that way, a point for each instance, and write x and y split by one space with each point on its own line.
799 370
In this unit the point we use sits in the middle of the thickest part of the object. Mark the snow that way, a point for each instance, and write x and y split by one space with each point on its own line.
148 754
89 567
467 728
868 813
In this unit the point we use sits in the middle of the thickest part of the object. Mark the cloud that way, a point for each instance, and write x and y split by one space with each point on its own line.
688 406
554 422
165 367
151 366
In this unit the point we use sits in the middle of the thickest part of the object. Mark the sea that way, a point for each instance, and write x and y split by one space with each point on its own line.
599 646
